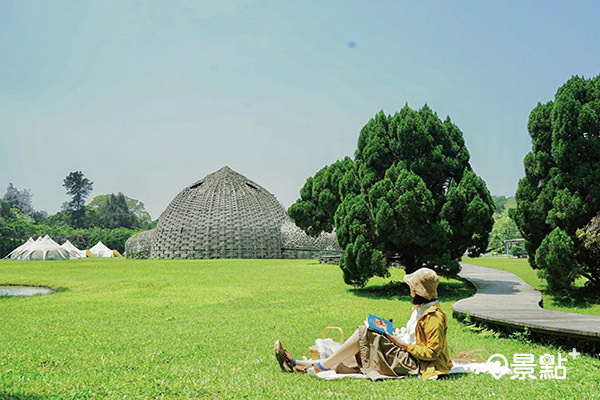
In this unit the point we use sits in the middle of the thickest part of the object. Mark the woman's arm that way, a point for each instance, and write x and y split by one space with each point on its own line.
396 341
435 335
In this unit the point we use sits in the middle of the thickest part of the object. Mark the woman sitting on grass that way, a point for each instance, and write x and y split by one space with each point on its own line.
422 351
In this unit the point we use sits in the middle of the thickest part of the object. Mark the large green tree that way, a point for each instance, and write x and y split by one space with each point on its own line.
19 199
134 214
78 188
409 196
114 213
560 192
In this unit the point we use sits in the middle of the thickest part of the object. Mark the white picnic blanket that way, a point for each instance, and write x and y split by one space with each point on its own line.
492 368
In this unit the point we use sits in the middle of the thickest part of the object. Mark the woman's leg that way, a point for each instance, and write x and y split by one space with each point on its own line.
347 350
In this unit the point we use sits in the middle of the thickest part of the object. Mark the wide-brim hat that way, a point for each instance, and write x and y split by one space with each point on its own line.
423 282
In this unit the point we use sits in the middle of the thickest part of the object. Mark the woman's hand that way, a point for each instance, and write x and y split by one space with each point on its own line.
396 341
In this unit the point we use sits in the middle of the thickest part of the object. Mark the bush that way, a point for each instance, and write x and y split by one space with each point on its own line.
556 260
518 250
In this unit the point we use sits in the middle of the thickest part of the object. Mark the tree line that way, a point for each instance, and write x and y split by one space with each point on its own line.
110 218
408 197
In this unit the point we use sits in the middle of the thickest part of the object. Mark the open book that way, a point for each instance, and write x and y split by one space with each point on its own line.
380 324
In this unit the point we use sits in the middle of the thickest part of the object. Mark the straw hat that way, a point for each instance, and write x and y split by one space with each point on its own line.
423 282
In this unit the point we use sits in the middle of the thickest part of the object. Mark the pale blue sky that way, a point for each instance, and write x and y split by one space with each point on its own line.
146 97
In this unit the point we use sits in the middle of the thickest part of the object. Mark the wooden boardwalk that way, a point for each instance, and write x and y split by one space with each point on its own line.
505 299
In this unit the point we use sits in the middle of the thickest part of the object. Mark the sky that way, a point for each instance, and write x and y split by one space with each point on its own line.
147 97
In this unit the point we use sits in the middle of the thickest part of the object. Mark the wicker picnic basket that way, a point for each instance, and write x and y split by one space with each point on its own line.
314 354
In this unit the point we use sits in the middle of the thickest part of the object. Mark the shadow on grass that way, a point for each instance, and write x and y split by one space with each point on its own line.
447 291
19 396
579 297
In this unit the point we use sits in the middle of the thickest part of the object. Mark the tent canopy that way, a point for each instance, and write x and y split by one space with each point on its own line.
42 249
16 251
73 251
100 250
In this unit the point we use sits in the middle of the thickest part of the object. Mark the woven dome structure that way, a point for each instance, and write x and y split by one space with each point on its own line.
226 215
140 245
295 243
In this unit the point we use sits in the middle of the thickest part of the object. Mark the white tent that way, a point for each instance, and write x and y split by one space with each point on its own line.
42 249
12 255
73 251
100 250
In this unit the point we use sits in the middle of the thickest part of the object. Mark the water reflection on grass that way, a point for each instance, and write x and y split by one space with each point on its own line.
23 291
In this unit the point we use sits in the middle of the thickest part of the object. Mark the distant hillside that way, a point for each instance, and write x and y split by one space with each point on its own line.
503 204
504 227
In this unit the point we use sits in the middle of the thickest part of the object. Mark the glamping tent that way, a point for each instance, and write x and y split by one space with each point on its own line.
100 250
42 249
73 251
13 254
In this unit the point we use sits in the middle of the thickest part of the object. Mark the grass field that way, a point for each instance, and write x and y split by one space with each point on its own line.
580 300
122 328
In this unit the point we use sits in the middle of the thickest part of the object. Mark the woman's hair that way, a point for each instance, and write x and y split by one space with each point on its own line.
420 300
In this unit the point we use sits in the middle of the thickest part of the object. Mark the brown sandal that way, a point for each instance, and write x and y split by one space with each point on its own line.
285 359
302 369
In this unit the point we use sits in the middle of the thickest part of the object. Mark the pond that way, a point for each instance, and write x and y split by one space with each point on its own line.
24 291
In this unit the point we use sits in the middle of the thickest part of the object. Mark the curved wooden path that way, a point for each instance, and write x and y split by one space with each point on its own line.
505 299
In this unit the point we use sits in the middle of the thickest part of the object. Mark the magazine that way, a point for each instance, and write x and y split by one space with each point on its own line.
380 324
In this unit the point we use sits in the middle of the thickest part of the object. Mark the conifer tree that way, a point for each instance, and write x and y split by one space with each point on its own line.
410 195
560 193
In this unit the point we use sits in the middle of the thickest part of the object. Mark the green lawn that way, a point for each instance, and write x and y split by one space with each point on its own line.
581 300
122 328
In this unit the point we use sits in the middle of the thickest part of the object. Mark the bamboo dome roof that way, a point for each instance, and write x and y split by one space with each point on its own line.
293 237
223 215
140 244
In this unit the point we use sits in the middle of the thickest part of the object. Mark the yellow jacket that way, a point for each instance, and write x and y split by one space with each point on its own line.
432 348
